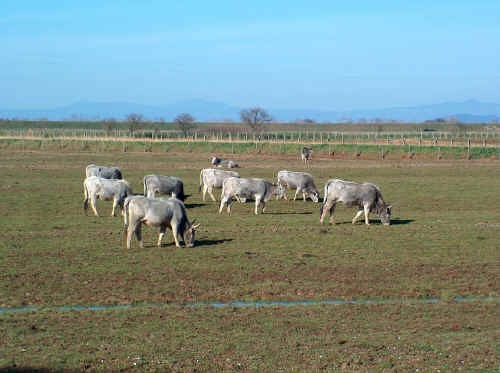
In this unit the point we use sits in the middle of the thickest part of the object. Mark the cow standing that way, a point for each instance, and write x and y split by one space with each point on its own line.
161 213
103 171
105 189
226 163
366 197
301 182
163 185
305 155
258 189
211 178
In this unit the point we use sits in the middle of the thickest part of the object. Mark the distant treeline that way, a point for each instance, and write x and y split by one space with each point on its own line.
241 127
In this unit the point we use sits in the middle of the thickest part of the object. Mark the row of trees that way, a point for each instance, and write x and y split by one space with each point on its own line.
254 118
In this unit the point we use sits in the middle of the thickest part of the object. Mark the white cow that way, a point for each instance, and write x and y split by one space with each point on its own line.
258 189
211 178
105 189
301 182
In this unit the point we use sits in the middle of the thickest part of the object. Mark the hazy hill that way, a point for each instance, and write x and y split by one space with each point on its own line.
469 111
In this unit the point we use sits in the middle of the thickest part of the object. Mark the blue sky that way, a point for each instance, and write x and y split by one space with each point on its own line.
334 55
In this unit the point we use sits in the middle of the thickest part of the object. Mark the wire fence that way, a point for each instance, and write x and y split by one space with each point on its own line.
485 138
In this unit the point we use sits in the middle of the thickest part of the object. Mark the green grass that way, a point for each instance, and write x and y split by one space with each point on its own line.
443 243
332 151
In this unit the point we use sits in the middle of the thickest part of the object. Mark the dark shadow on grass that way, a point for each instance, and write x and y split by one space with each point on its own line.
194 205
211 242
289 213
401 221
33 370
375 222
197 243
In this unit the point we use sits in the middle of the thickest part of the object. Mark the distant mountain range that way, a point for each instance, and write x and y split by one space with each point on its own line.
470 111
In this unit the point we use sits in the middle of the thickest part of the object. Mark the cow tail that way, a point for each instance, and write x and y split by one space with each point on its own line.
201 181
145 187
86 197
182 196
125 216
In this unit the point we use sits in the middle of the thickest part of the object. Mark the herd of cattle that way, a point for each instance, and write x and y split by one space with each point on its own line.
106 183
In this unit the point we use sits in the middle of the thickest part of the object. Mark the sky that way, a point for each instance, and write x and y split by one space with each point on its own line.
332 55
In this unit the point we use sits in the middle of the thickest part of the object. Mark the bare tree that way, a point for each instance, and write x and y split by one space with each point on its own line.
255 118
185 122
109 125
134 122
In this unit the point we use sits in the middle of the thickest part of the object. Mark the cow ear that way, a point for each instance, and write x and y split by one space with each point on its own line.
389 208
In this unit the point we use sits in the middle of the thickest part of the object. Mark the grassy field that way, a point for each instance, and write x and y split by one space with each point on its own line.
443 244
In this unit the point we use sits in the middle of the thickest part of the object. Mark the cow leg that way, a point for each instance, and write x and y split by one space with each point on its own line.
329 206
210 190
138 234
367 211
205 188
257 203
284 194
358 214
115 204
131 229
93 201
296 192
175 233
163 228
223 201
304 195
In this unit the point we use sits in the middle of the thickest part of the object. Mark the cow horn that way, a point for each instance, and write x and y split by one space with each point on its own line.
195 226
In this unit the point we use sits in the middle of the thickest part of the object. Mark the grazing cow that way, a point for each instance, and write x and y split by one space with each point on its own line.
366 197
103 171
163 185
305 155
105 189
161 213
211 178
258 189
226 163
301 181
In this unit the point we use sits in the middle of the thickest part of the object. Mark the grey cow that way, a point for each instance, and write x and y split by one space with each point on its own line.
211 178
366 197
161 213
258 189
305 155
301 182
105 189
163 185
226 163
105 172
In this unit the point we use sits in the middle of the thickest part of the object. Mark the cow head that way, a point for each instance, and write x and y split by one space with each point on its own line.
189 233
385 214
279 190
314 196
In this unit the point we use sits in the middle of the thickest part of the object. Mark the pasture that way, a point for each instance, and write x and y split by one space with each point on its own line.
443 243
